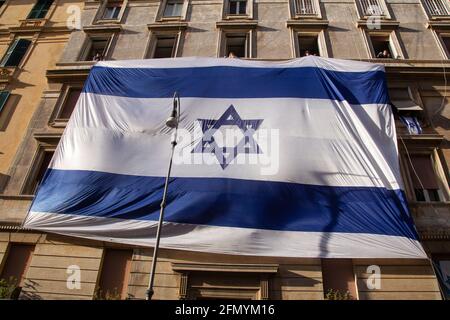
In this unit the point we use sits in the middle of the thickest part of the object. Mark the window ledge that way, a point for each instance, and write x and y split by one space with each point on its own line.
24 197
103 28
50 138
59 123
29 25
384 25
245 24
168 25
171 19
106 21
311 23
237 17
441 25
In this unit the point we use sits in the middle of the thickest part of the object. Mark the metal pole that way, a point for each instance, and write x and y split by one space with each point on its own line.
163 202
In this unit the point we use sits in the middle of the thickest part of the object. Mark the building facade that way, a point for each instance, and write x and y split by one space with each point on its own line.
50 62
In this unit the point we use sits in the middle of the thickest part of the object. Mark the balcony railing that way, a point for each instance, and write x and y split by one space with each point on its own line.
372 8
437 7
306 8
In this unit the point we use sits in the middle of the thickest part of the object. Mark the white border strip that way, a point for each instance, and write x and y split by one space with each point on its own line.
229 240
196 62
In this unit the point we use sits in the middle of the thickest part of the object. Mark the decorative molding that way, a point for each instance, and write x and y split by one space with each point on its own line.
439 25
308 24
16 197
223 267
173 26
261 273
237 24
382 26
102 28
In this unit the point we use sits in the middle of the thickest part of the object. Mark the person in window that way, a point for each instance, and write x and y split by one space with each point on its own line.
232 55
384 54
97 57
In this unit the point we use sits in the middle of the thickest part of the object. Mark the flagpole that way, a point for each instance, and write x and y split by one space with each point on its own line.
171 122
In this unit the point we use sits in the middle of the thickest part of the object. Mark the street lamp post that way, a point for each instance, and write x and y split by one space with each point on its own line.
171 122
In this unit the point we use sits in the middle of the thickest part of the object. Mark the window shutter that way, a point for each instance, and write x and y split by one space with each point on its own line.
16 52
4 95
424 169
9 52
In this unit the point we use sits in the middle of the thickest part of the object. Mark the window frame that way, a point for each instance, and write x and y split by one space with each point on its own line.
87 46
99 19
127 271
162 7
439 35
28 187
250 35
363 16
10 50
40 10
247 15
56 120
153 41
294 10
436 258
439 175
394 44
321 41
433 16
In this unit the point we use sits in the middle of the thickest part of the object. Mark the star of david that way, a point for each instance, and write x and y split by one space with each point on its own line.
225 155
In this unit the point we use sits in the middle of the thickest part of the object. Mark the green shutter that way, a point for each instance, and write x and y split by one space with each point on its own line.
15 53
3 98
9 52
40 9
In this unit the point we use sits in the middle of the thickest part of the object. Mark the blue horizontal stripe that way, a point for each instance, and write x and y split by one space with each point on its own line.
233 82
227 202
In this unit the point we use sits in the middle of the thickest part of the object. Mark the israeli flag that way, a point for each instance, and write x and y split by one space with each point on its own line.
295 159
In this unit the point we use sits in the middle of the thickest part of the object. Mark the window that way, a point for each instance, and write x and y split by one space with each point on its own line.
308 45
15 53
69 103
97 48
165 46
115 272
445 40
305 7
441 263
17 262
381 45
437 7
40 9
173 8
237 45
338 275
4 95
42 162
372 8
112 10
237 7
424 179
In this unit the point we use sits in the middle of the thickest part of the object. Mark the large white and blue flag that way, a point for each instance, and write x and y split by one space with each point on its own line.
295 158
